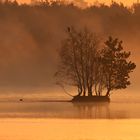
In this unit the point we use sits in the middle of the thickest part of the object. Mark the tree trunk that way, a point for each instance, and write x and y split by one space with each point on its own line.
96 90
90 91
108 92
79 91
84 91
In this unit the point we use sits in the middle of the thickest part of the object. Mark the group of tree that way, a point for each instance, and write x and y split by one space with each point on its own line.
95 68
43 23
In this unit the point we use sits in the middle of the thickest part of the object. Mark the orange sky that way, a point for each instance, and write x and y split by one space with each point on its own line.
126 2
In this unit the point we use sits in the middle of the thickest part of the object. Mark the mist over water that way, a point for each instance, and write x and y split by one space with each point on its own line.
68 110
31 36
30 40
122 106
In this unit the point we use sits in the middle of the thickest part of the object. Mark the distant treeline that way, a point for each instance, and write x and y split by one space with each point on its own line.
37 17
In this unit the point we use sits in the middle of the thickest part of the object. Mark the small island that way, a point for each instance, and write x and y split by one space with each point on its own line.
94 67
91 99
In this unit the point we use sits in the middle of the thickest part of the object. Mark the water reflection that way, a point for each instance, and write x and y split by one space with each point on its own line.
69 110
90 110
99 111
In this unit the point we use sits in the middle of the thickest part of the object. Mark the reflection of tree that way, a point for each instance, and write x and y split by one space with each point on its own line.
93 110
100 111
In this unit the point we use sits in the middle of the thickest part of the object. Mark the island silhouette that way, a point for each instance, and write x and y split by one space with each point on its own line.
94 67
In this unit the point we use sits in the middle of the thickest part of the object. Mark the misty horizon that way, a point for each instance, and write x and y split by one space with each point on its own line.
31 38
69 70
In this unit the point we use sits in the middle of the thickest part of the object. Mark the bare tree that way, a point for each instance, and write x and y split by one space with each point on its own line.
93 70
78 57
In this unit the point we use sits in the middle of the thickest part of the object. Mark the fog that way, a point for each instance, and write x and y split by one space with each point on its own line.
31 35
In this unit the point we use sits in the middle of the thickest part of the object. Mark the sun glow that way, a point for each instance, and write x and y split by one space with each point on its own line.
91 2
51 129
125 2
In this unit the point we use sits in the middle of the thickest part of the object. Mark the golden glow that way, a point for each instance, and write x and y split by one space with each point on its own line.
51 129
125 2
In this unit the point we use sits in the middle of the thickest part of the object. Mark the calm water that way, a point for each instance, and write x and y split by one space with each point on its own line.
35 119
122 106
69 129
113 110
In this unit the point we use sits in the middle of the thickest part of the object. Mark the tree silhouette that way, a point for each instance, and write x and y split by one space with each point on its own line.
93 70
116 65
44 29
78 59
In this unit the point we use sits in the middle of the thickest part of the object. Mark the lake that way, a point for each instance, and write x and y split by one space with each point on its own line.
122 106
42 119
69 129
69 110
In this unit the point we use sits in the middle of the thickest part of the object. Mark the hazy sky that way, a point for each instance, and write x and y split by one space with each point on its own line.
36 35
126 2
